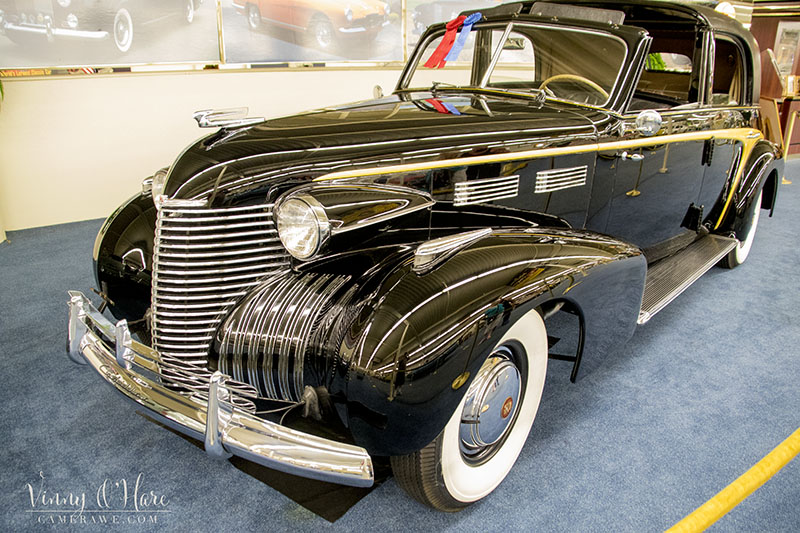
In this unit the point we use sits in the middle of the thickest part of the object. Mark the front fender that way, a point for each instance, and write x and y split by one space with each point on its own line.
123 257
416 334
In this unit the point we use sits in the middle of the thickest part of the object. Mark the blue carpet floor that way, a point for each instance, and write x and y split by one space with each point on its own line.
700 394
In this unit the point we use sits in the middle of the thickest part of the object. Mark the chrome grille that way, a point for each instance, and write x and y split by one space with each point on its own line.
264 343
204 261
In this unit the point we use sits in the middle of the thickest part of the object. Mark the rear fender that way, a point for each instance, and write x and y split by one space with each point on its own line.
763 171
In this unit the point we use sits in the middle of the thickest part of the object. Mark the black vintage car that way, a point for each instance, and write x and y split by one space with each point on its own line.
115 21
386 273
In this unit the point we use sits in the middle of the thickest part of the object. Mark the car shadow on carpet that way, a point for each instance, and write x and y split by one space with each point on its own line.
327 500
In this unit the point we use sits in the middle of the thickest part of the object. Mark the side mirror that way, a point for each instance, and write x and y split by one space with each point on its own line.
377 92
648 122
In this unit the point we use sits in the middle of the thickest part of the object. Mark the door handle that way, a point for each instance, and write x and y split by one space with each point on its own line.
632 157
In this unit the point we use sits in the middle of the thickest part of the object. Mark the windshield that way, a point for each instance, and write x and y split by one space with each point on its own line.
567 63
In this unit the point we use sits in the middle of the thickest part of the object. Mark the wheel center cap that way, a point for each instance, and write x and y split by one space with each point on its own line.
490 404
507 406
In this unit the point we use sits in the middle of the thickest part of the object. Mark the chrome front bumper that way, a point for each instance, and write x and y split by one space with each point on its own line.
225 429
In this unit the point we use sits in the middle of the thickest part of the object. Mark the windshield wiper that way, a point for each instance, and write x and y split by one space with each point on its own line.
438 85
538 95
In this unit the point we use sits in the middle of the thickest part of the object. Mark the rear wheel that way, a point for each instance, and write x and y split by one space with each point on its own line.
483 438
253 17
738 255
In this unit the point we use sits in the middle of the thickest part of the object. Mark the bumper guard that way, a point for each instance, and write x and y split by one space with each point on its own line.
225 429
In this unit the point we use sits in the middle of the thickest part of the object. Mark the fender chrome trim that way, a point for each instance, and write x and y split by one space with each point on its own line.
225 429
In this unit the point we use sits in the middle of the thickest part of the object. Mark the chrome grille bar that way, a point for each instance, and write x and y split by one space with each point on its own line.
265 343
205 260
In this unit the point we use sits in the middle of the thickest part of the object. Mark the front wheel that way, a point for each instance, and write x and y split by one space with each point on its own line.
189 11
482 440
253 17
738 255
123 30
321 34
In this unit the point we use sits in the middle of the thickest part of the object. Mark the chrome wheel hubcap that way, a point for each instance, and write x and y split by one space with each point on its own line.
491 405
122 30
324 35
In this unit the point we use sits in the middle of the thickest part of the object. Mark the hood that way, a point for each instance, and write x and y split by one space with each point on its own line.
243 165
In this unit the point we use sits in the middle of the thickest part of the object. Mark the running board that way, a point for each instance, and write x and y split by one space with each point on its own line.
669 277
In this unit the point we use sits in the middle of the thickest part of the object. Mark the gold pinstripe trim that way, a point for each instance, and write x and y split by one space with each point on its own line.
748 143
748 137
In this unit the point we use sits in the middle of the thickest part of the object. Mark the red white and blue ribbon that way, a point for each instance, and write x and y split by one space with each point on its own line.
463 36
443 107
437 58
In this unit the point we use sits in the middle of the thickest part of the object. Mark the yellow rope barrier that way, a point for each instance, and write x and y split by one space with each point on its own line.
729 497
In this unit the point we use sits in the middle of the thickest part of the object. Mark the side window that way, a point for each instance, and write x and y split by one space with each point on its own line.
666 79
728 74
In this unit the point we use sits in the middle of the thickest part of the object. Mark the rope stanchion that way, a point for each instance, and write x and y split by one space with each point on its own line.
729 497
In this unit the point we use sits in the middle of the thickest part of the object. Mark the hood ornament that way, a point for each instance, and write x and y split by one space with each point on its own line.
225 118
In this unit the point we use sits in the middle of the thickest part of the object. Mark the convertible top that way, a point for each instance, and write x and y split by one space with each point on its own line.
637 12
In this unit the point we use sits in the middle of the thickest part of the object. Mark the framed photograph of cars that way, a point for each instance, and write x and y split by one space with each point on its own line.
63 33
269 31
422 13
787 44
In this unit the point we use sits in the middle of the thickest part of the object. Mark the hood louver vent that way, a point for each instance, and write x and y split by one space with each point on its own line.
485 190
560 178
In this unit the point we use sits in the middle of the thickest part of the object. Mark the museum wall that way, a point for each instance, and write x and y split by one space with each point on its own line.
74 148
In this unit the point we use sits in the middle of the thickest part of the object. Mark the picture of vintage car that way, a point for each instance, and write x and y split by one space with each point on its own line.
425 14
397 274
114 21
322 24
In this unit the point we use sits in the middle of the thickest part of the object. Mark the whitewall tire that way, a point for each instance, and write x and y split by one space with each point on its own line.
468 460
738 255
123 30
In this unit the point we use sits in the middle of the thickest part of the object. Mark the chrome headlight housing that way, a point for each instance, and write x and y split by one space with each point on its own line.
303 226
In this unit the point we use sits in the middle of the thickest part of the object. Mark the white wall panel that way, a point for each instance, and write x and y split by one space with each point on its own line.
75 148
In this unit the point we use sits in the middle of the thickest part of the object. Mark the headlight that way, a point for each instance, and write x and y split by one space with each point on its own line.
64 3
303 226
157 187
348 14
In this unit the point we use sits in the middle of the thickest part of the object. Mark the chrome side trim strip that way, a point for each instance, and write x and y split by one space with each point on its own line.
56 32
436 251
